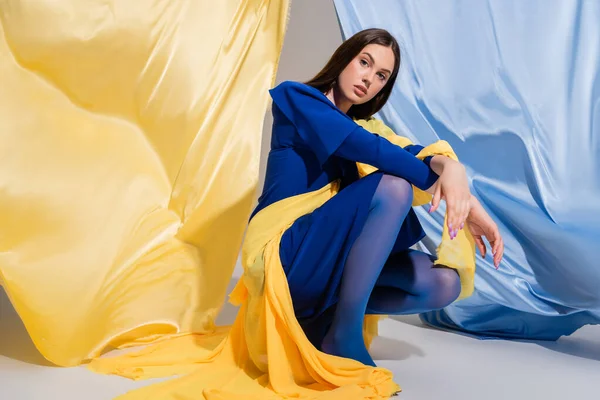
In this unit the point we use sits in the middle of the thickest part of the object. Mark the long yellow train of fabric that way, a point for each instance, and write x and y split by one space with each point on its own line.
265 354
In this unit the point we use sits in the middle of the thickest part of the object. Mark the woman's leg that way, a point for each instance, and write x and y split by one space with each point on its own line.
411 284
408 284
390 205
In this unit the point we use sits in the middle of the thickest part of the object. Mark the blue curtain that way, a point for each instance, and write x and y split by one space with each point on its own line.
514 87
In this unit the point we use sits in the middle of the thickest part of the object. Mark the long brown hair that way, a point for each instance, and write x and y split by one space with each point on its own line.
326 78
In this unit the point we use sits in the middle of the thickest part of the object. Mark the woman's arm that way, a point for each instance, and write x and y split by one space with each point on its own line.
327 131
453 186
364 147
452 183
437 164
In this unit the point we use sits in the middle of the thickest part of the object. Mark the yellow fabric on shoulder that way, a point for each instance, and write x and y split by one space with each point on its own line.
458 253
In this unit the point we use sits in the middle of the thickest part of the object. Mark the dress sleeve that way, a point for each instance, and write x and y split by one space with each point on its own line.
364 147
328 131
320 124
415 149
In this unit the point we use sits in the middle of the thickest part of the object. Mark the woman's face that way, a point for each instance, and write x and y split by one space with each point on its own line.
366 74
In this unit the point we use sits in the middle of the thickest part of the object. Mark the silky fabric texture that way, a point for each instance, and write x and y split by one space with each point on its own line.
130 138
265 354
513 86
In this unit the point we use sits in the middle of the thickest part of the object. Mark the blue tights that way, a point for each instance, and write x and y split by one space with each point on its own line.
377 282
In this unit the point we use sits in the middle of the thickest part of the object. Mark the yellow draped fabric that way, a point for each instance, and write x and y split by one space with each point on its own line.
265 354
130 136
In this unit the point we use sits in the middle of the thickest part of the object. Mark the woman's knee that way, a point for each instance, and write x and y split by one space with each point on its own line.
394 193
446 287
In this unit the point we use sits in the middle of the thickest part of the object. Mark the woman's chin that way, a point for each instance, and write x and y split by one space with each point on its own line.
357 100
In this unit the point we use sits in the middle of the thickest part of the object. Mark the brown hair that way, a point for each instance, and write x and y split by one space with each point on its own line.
326 78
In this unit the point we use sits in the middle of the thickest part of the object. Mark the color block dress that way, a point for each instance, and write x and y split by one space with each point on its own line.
314 143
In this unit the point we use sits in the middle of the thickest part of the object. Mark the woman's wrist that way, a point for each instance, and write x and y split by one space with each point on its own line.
473 201
439 163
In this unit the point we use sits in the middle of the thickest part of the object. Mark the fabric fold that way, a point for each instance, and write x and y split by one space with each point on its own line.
265 354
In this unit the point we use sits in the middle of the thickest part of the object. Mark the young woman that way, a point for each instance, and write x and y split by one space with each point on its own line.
351 256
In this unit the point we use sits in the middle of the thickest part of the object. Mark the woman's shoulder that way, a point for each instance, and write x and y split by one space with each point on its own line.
294 88
287 85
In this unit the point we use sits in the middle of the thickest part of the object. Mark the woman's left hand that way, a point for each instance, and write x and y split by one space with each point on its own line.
481 224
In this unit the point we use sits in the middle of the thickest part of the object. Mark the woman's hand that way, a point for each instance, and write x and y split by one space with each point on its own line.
453 187
480 225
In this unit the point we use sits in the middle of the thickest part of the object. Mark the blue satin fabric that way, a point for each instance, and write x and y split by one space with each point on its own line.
514 87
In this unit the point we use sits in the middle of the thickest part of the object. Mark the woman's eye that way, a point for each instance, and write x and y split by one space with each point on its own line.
381 76
364 62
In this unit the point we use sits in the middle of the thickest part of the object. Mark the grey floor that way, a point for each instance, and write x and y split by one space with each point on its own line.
427 363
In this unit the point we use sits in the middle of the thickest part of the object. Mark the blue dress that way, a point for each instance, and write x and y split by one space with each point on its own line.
314 143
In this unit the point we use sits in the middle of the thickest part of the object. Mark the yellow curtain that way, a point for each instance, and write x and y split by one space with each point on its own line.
130 135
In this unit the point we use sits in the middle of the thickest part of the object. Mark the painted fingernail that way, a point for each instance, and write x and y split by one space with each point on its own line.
462 225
